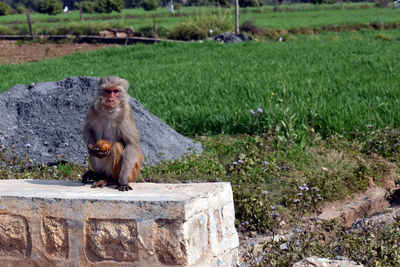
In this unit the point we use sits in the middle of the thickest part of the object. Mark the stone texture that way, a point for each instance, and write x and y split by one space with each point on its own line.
169 245
111 240
321 262
49 116
14 236
66 223
55 235
372 202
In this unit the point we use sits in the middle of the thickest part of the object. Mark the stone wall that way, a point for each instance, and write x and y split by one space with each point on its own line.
66 223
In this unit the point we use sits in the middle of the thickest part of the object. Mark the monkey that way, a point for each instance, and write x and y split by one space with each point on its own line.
110 118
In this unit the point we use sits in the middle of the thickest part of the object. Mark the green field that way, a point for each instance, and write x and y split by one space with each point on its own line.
294 16
337 82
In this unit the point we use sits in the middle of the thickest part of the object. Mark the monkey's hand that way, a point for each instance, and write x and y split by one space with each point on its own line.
123 187
94 151
104 154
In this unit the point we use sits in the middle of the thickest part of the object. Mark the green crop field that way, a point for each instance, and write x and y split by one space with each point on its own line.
294 16
338 82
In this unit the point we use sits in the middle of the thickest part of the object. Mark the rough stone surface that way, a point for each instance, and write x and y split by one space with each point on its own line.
14 236
372 202
229 37
66 223
55 235
111 239
49 117
321 262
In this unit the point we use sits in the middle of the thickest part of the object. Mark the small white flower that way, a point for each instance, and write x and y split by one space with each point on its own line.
240 161
259 110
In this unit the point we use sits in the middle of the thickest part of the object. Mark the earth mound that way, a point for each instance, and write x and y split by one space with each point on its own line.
45 121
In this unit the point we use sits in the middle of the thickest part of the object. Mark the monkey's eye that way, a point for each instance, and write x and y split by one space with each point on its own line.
110 91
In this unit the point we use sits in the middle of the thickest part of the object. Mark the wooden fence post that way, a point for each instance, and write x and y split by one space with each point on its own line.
154 25
237 16
28 18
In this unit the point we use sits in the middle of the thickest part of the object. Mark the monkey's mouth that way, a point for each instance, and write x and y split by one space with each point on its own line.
109 106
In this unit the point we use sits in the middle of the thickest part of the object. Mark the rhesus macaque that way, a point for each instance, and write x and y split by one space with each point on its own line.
110 122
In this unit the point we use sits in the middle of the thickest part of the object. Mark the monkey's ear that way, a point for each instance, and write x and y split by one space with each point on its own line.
102 81
124 84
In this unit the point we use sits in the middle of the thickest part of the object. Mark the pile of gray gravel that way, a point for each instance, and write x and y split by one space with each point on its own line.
45 121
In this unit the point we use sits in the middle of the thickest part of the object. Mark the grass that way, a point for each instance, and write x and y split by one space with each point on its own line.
294 17
331 86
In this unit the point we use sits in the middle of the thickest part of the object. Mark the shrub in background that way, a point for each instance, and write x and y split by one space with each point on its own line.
316 1
87 6
4 9
382 3
20 8
136 3
51 7
149 5
250 27
108 6
147 31
202 27
247 3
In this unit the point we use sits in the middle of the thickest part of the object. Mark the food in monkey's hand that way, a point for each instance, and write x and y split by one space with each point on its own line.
103 145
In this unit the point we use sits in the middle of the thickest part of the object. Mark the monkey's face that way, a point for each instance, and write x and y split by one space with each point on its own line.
110 98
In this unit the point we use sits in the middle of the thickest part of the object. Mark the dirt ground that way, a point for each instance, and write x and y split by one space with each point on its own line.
15 52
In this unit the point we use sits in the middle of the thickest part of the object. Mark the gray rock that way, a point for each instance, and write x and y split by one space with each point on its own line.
45 121
229 37
321 262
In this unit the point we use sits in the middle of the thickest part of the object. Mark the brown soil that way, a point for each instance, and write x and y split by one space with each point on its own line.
13 52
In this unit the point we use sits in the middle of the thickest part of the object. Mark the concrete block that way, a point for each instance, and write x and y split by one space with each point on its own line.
66 223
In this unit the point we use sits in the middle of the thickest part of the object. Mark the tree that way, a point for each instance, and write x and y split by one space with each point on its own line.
51 7
4 9
108 6
149 5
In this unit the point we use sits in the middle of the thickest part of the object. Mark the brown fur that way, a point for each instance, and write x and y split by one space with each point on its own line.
118 126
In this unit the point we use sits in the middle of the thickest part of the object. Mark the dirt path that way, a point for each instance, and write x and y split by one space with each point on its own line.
14 52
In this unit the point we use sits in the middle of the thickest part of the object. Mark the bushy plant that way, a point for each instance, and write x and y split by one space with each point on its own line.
382 3
149 5
148 31
136 3
4 9
188 31
224 3
87 6
250 27
20 8
247 3
51 7
108 6
201 27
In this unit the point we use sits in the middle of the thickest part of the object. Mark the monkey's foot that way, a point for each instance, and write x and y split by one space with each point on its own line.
123 187
101 184
88 175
